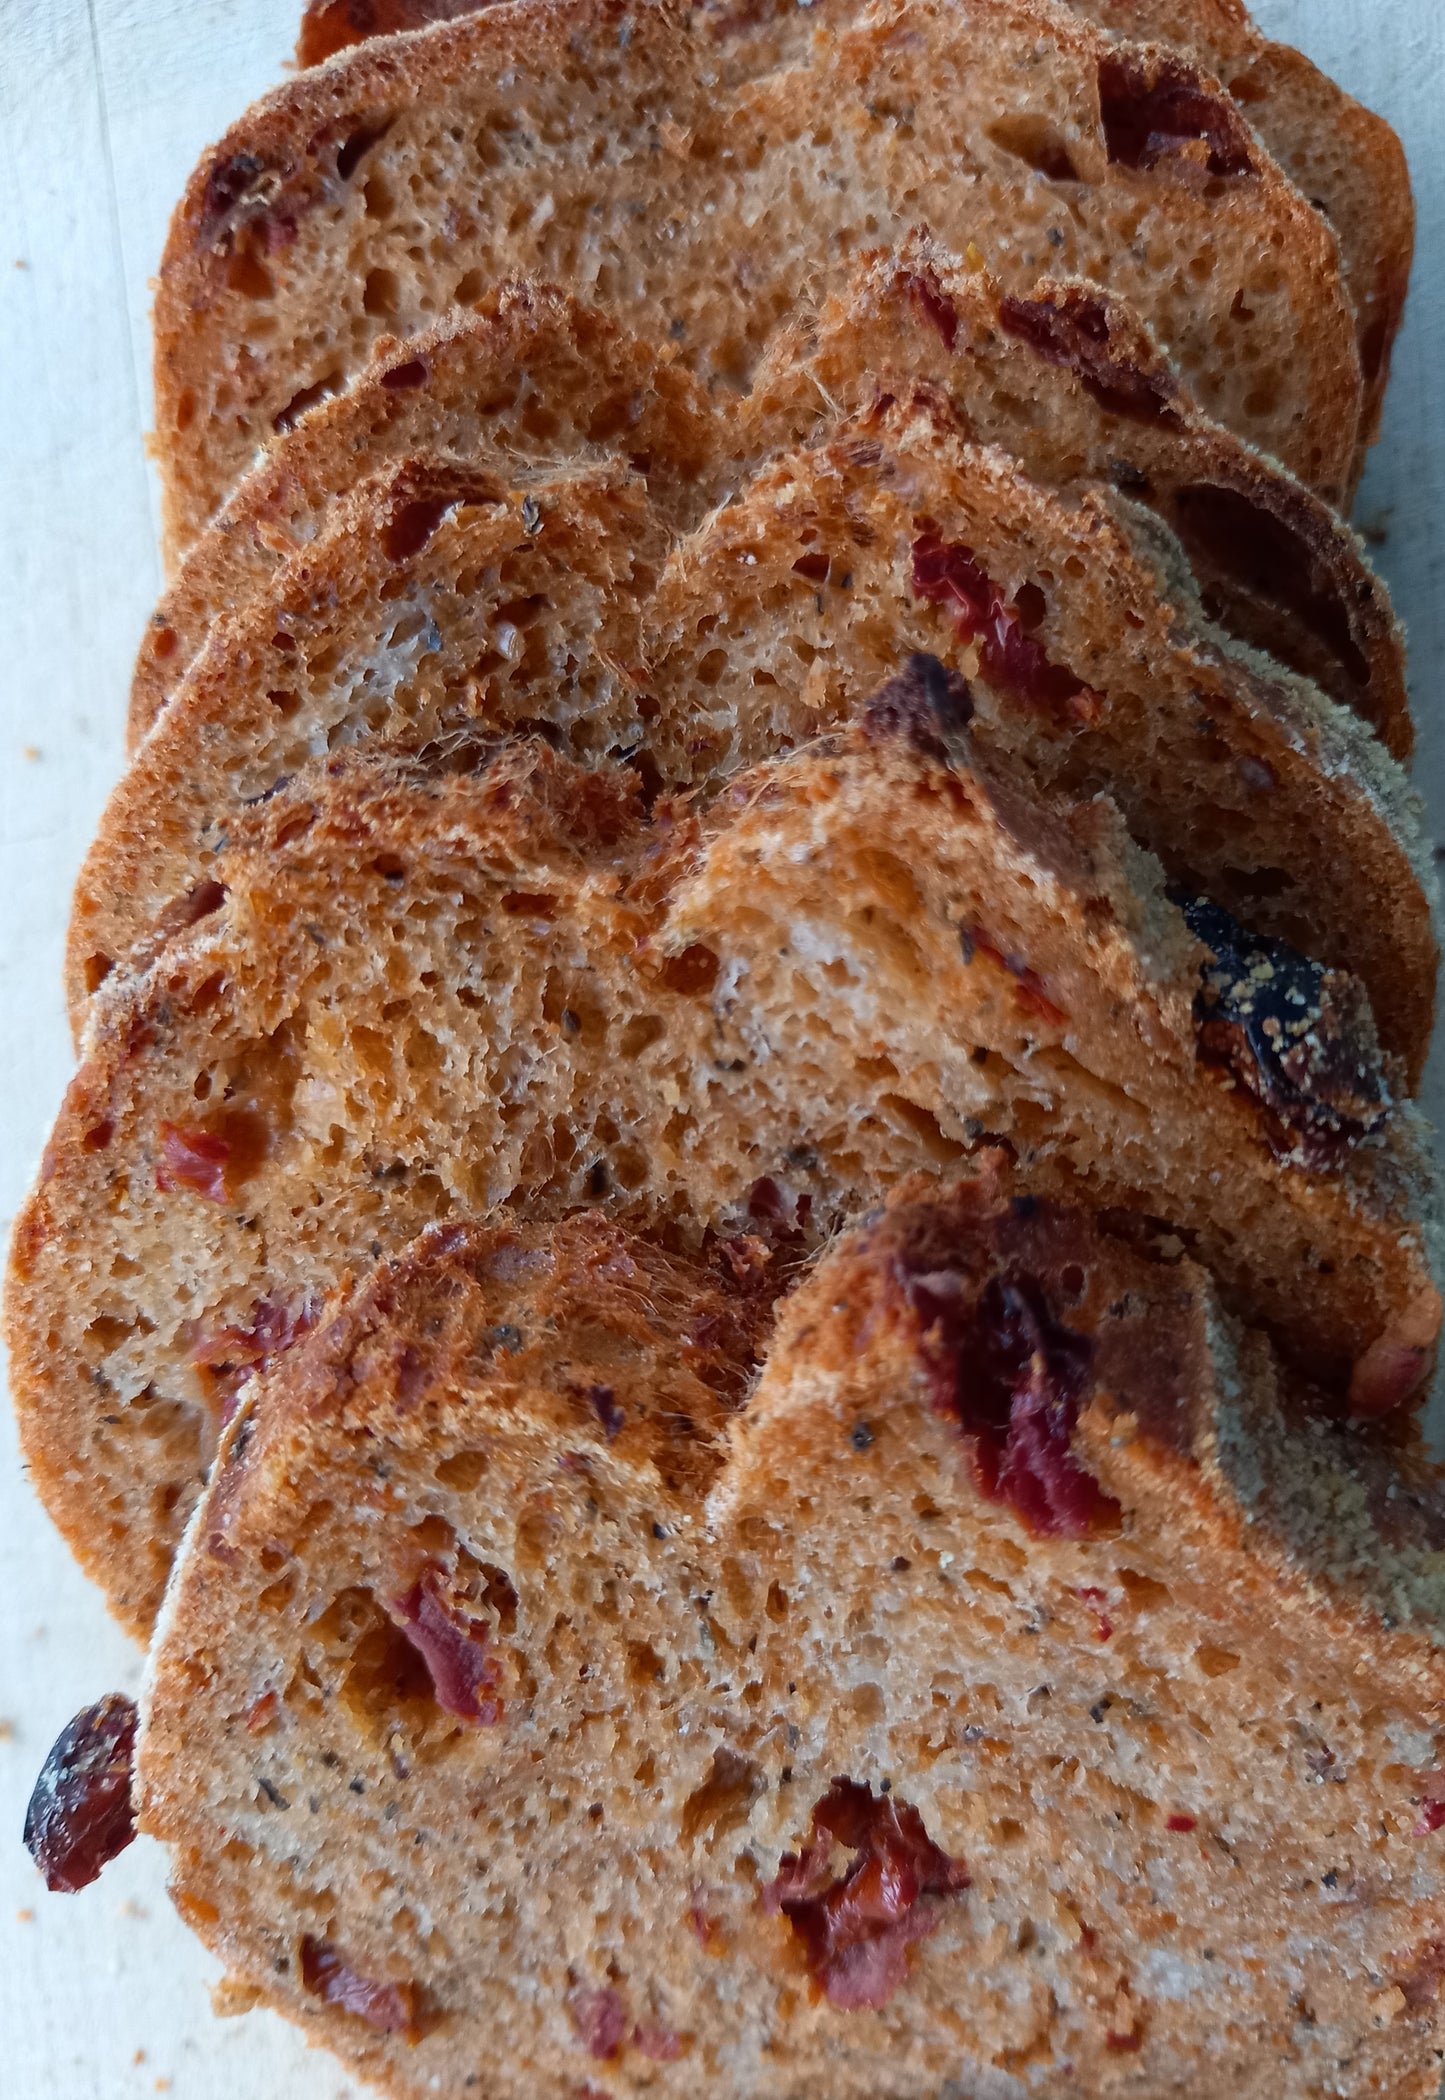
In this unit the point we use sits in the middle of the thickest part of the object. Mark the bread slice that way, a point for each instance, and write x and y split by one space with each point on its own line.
1015 1696
1072 382
438 596
644 156
1068 379
1345 159
1090 659
426 991
1074 618
533 377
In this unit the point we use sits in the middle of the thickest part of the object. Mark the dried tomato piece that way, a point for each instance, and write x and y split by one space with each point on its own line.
662 2044
329 26
600 2020
1297 1036
453 1647
928 295
387 2008
1151 109
214 1158
1071 328
1421 1983
1030 995
857 1927
948 573
1015 1380
80 1814
228 1356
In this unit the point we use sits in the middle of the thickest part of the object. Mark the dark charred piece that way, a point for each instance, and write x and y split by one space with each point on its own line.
857 1926
924 702
1297 1036
80 1813
1071 328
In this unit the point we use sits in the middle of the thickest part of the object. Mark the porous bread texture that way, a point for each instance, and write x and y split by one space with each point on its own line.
427 992
536 375
660 162
1345 159
1245 781
1074 384
532 377
439 597
771 622
1182 1773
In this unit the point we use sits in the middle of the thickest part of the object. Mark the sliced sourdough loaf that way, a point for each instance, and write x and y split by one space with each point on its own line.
426 991
532 377
1015 1696
1068 379
1072 613
1072 382
1347 161
664 163
1340 155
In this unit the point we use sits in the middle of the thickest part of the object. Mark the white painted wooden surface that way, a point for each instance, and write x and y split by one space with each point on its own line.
104 106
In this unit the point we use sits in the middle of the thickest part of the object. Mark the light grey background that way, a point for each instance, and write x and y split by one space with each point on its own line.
104 107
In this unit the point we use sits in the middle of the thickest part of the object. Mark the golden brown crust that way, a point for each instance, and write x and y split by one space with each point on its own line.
294 214
1074 1713
427 989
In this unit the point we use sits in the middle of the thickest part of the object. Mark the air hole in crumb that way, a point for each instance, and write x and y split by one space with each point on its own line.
307 397
693 973
1031 138
1216 1662
1142 1591
462 1471
247 274
724 1800
381 294
640 1033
